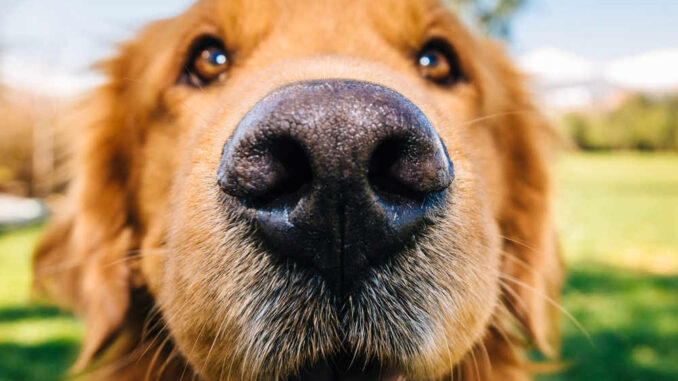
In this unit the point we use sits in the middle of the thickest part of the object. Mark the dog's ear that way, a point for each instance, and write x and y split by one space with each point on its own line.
81 261
532 268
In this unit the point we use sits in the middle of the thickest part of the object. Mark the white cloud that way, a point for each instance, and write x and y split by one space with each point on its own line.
553 65
566 81
572 97
652 71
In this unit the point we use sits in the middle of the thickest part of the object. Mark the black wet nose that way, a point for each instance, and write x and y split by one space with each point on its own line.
339 176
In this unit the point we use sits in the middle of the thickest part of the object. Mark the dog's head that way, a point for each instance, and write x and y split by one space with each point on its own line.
310 189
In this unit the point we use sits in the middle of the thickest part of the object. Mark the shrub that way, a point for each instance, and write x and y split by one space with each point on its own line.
640 123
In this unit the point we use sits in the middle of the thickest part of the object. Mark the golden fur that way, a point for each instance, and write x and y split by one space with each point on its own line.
169 287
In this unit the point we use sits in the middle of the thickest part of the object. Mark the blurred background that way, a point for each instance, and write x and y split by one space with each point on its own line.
606 74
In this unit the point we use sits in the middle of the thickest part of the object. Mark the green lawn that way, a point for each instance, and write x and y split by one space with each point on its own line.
37 343
618 217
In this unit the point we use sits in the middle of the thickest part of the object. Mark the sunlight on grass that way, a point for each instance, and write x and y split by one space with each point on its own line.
38 330
619 209
15 265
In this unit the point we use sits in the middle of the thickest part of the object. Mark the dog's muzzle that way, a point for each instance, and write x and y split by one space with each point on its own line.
339 176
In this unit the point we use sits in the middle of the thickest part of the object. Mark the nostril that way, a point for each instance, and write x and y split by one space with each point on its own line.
383 173
402 171
266 173
292 172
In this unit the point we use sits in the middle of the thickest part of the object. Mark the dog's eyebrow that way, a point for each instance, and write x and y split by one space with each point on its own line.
244 22
423 20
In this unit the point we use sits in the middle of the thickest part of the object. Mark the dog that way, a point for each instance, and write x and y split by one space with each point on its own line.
308 190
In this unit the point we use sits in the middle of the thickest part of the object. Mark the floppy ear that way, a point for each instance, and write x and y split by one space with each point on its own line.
532 268
80 261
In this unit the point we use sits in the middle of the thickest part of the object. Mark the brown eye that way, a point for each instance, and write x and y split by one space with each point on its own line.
207 62
434 66
437 62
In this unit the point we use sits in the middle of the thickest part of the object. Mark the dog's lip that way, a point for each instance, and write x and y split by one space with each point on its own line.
346 370
327 374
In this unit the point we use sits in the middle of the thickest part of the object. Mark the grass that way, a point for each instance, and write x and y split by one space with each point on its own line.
618 218
619 209
37 343
632 320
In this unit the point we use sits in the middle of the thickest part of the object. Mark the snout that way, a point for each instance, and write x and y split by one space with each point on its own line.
338 176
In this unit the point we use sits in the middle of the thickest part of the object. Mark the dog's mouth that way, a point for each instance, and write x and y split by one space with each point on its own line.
346 368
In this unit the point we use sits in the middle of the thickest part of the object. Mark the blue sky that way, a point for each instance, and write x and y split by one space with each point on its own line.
597 29
68 35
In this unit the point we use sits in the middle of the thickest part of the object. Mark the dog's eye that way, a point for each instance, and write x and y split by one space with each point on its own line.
206 63
437 62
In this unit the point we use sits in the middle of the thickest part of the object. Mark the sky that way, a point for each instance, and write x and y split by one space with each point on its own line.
61 39
597 29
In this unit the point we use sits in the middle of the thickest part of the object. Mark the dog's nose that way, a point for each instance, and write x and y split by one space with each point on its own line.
339 176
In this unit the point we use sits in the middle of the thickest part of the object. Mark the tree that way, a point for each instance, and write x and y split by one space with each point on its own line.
493 16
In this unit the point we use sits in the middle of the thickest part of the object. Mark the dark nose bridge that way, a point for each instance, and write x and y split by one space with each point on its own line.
339 175
343 123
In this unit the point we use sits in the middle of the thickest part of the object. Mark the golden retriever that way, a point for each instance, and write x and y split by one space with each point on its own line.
308 190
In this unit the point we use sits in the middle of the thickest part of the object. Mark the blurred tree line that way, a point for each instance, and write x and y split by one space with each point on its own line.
35 142
492 16
641 122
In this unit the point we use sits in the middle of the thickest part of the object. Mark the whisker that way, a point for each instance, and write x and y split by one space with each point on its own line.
134 256
193 347
171 356
492 116
475 363
504 335
73 264
523 244
112 367
552 302
486 356
63 266
513 299
152 321
157 353
214 341
150 345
